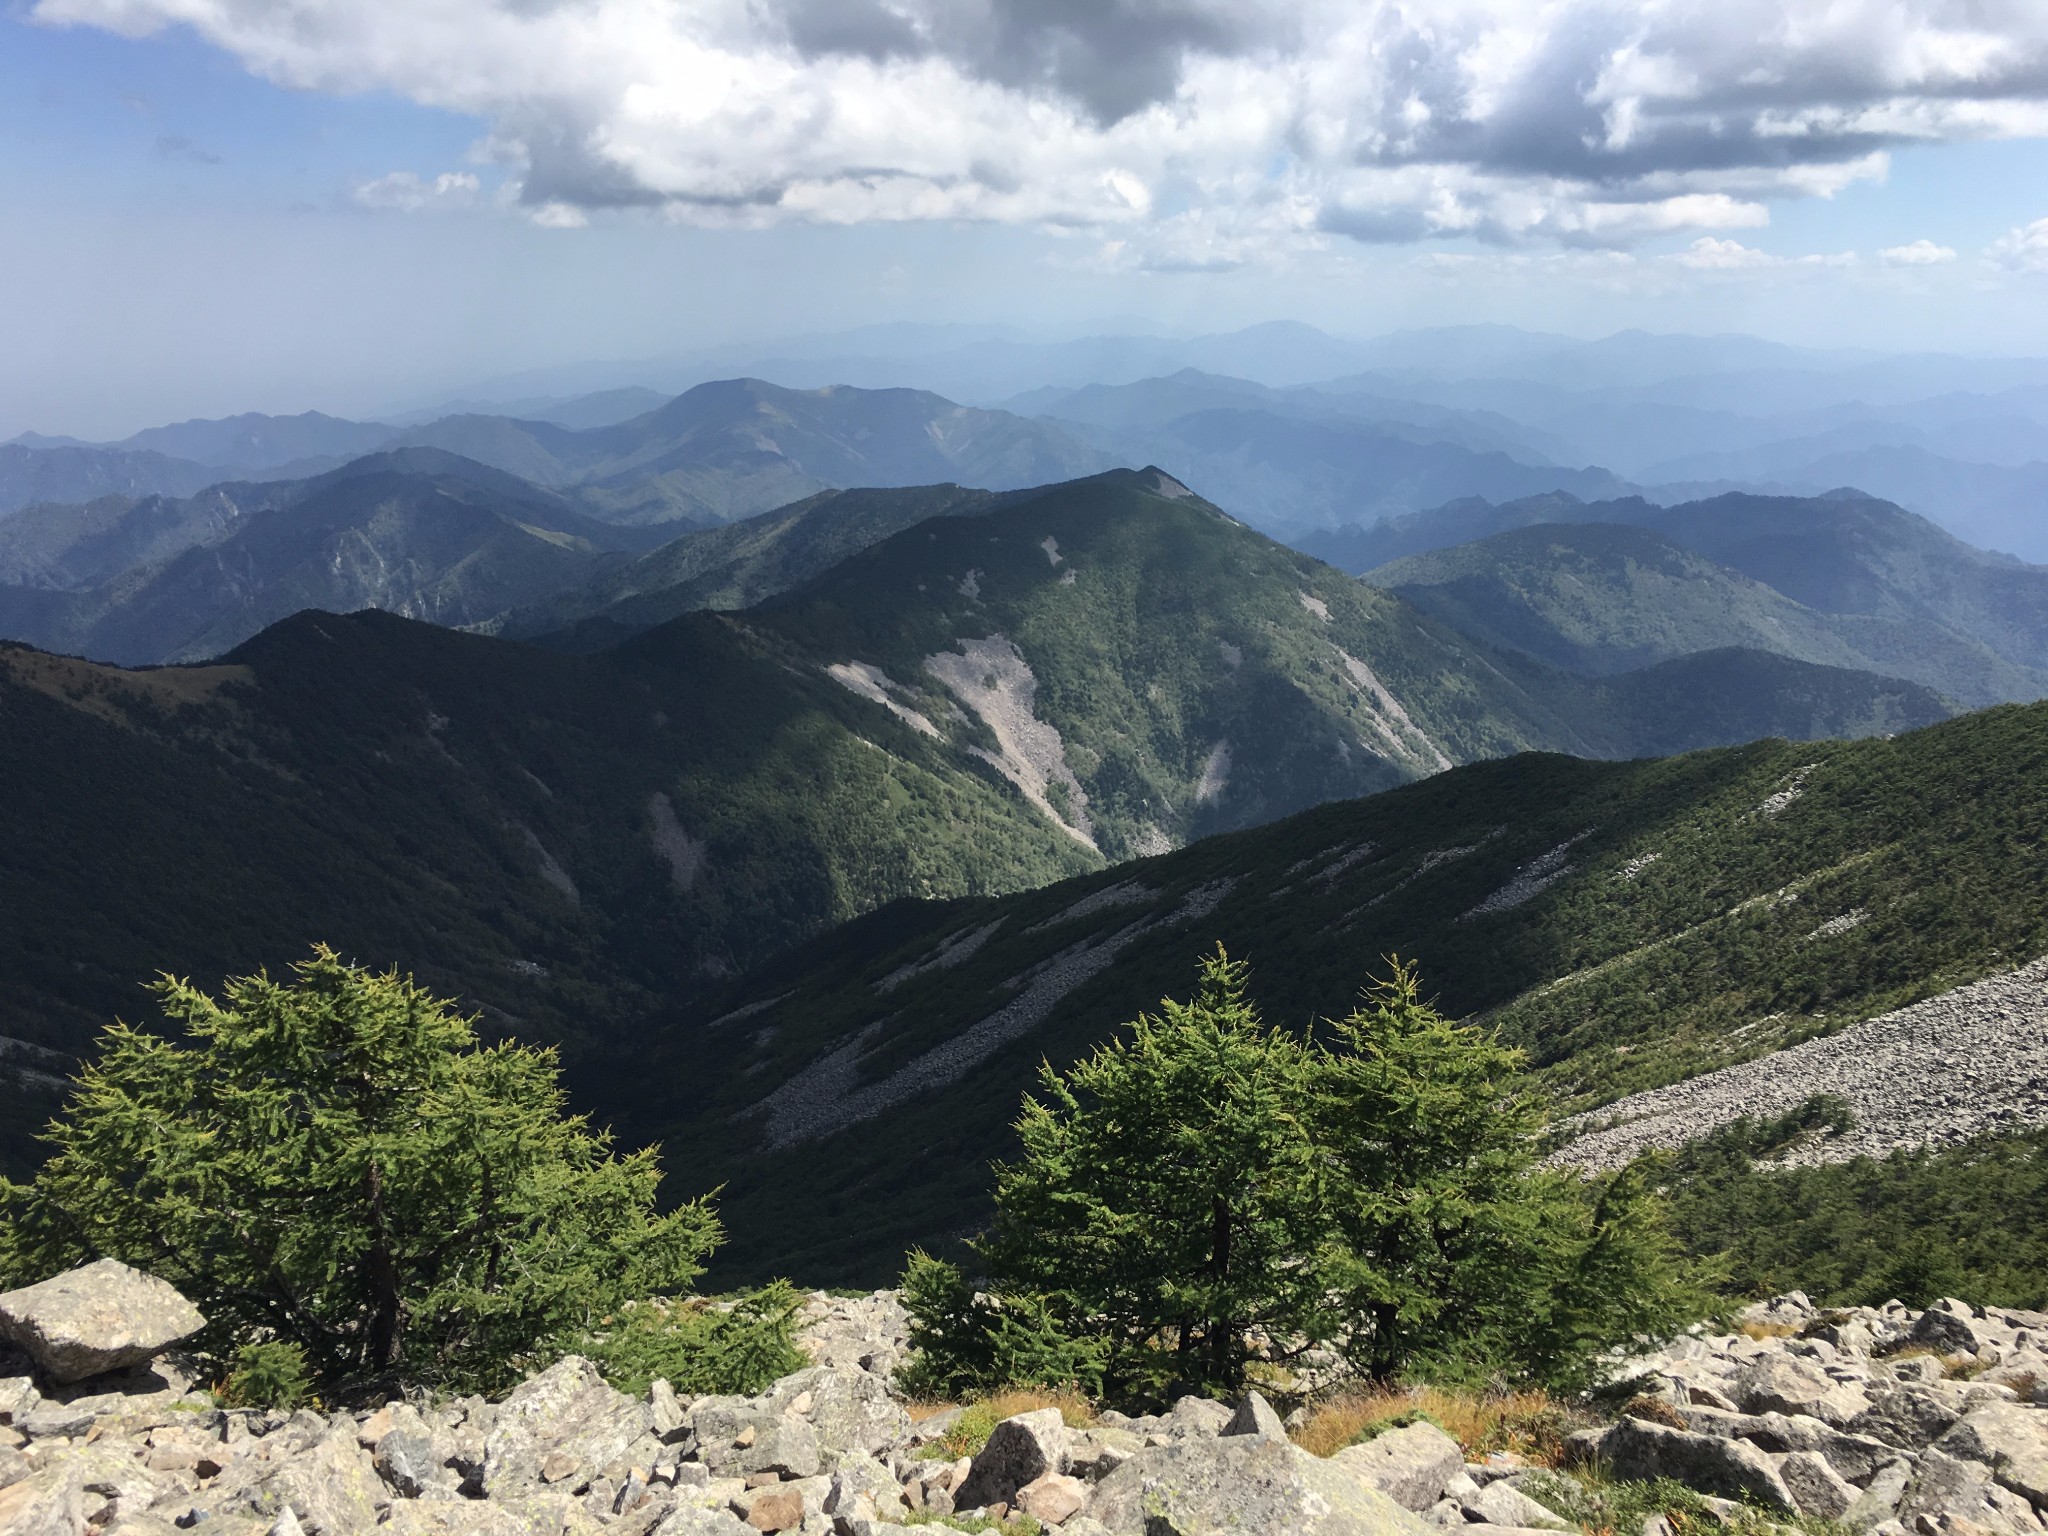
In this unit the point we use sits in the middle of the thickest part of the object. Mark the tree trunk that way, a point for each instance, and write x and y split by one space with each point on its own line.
1219 1328
1386 1345
381 1268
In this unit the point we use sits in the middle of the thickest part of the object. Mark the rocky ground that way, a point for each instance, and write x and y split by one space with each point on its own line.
1941 1071
1890 1421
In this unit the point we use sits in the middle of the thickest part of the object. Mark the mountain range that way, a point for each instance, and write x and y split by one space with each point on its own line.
572 840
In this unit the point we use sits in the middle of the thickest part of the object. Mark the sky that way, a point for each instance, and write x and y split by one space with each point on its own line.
209 206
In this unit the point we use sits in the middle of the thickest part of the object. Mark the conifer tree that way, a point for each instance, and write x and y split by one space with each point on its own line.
333 1161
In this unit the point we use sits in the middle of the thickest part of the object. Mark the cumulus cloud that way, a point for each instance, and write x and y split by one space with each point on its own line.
1707 254
1921 253
410 193
1592 123
2024 249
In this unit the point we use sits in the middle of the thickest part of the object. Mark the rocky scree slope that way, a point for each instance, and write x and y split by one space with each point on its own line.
1846 1417
1630 925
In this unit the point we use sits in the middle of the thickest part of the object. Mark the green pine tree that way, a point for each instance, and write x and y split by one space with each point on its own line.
334 1162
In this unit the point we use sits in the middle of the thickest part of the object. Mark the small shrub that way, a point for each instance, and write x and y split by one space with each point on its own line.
268 1375
1655 1410
1016 1525
1763 1331
700 1347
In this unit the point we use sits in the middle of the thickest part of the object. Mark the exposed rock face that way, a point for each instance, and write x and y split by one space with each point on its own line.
97 1318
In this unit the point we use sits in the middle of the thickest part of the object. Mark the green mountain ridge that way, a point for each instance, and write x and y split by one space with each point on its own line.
1629 924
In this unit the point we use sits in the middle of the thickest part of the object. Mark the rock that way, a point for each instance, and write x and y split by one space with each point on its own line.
1949 1327
1410 1465
1635 1450
775 1509
689 1520
1202 1487
1199 1416
862 1477
330 1486
1783 1383
99 1317
1053 1499
1855 1457
1502 1503
535 1515
405 1459
18 1395
1909 1417
1879 1501
1816 1487
1255 1416
2009 1439
1021 1450
48 1504
1095 1453
1945 1489
562 1428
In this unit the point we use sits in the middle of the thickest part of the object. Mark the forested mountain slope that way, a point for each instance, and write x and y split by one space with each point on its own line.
1628 924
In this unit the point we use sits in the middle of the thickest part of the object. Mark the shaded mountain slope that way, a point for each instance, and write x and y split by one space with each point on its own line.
1628 924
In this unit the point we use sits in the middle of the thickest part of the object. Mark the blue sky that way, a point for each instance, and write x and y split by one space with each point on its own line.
344 218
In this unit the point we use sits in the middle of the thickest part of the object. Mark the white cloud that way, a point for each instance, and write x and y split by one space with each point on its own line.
1583 123
410 193
1707 254
2024 249
1921 253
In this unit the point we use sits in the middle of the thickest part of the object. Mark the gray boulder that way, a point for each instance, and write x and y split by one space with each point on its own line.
1411 1465
1816 1487
1021 1450
1204 1487
1909 1418
99 1317
561 1429
1501 1503
2009 1439
1946 1489
330 1486
1949 1327
1198 1416
1255 1416
1879 1500
1636 1450
1783 1383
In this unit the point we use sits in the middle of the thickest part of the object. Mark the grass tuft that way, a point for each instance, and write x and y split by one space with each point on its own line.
1531 1424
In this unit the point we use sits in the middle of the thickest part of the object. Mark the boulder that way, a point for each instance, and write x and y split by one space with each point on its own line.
561 1429
330 1486
1198 1416
1855 1457
1204 1487
1500 1503
2009 1439
1816 1487
1411 1465
1053 1499
1945 1489
1908 1417
694 1520
537 1515
1949 1327
1879 1500
1636 1450
1021 1450
99 1317
1255 1416
1783 1383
